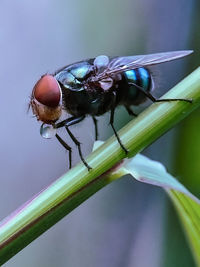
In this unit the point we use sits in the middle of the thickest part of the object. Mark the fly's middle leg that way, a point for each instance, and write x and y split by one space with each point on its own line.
112 113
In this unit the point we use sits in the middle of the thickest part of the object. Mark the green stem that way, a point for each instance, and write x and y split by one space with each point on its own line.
70 190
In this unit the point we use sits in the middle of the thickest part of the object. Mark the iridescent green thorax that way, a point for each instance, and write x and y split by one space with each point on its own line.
73 76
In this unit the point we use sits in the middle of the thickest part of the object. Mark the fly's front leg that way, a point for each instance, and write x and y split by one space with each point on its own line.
95 121
50 131
112 113
67 147
68 122
153 99
79 147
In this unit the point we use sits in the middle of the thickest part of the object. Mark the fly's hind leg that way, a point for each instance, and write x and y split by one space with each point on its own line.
112 113
153 99
130 112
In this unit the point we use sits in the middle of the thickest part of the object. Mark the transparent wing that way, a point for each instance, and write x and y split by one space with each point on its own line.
121 64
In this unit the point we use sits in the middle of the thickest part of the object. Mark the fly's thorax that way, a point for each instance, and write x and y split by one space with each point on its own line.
82 94
72 80
84 102
73 77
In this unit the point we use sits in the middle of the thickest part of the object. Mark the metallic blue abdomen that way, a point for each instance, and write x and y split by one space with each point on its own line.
138 77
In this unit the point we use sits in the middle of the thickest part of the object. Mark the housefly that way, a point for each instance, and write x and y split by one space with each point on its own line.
93 87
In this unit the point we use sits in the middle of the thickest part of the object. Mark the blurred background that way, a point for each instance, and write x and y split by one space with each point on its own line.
127 223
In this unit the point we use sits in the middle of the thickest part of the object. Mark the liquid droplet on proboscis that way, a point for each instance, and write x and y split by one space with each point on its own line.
47 131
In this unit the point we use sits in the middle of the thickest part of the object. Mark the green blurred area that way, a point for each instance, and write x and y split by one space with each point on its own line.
187 156
186 163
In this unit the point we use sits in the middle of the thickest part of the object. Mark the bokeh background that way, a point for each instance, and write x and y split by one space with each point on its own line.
126 224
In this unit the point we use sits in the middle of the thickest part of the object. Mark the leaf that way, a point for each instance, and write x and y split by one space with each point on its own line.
153 172
189 212
187 205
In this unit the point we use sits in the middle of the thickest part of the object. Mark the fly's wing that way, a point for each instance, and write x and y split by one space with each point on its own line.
121 64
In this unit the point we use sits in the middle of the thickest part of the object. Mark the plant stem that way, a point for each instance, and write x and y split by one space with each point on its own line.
70 190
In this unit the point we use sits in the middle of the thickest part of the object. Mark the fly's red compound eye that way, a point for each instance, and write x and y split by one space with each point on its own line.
46 100
47 91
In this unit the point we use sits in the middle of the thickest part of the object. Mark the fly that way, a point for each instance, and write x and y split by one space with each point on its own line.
94 87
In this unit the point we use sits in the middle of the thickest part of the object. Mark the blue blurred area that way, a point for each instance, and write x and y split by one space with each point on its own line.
123 225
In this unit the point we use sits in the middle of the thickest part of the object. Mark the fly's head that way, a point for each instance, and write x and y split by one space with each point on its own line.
46 99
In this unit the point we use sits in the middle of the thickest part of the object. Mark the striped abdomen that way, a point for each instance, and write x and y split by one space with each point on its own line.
138 77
